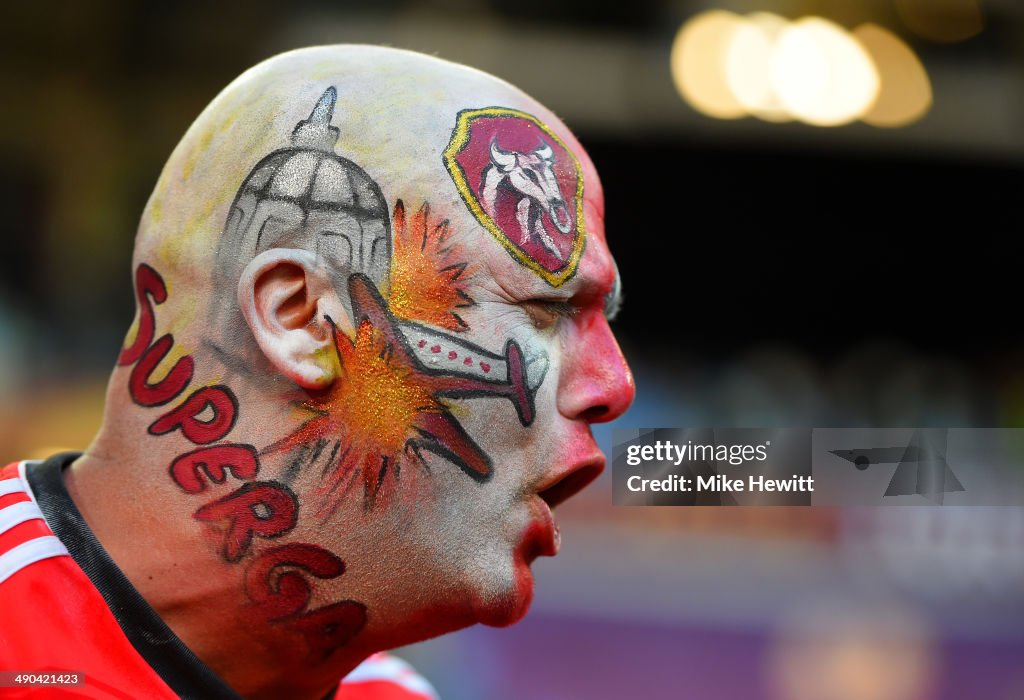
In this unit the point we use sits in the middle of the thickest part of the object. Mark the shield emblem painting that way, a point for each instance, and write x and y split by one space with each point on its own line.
523 185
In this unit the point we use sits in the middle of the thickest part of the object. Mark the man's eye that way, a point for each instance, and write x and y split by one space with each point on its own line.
547 313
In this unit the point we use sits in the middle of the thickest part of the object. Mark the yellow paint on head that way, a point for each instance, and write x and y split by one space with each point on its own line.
425 276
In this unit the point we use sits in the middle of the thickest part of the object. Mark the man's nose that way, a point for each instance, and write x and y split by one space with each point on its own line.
595 383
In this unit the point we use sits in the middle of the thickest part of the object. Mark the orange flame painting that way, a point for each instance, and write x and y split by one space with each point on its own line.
426 285
385 407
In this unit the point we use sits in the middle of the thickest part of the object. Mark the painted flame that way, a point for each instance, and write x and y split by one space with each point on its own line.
426 285
373 410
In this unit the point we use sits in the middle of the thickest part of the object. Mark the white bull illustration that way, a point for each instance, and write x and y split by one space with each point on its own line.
530 177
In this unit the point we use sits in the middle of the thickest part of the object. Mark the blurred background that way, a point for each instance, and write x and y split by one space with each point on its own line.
816 210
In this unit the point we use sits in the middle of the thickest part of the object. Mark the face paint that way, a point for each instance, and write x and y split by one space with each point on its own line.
260 509
523 185
446 392
386 408
306 196
216 463
256 510
386 405
399 370
428 273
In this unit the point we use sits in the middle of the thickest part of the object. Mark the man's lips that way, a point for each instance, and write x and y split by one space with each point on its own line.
542 538
572 481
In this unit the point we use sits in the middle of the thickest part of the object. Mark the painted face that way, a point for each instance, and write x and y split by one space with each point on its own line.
499 359
496 529
472 351
546 287
308 197
472 375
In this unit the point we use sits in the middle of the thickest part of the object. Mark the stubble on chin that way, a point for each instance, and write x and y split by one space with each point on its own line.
504 594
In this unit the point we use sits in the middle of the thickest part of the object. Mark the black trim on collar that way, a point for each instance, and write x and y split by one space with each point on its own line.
152 638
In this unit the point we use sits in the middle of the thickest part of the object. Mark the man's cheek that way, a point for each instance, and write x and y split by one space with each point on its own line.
494 424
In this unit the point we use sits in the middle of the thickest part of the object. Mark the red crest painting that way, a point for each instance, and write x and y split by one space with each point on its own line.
523 185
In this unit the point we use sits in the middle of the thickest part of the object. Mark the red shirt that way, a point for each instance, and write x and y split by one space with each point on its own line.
66 608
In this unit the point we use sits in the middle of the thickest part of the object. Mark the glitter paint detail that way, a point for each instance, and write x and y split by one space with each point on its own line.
426 277
386 409
374 405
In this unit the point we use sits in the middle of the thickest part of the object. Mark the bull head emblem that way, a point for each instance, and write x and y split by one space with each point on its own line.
523 184
532 179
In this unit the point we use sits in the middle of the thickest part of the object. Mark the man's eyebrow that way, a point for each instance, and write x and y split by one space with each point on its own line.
613 299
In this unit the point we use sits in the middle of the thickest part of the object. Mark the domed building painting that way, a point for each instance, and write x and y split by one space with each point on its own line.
306 196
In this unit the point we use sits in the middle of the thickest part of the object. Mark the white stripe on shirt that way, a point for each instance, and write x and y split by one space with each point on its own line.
11 486
17 513
29 552
391 668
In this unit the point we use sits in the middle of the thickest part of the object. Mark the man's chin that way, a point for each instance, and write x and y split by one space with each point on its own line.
509 606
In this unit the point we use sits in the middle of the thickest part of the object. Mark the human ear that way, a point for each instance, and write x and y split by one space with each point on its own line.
287 300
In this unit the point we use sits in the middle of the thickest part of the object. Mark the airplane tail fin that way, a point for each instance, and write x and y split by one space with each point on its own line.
519 392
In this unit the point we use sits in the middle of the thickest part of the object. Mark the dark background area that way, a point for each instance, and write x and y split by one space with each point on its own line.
821 250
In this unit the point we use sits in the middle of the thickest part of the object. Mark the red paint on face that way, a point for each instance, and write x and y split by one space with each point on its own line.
187 470
146 394
219 399
427 425
262 509
328 628
279 592
595 384
282 595
535 184
148 285
256 509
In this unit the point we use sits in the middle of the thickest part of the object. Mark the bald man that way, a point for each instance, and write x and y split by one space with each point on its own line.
373 296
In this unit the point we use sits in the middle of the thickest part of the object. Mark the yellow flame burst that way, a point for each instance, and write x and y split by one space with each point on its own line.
426 284
372 409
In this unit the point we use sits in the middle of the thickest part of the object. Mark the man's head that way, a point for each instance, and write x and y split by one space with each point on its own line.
373 292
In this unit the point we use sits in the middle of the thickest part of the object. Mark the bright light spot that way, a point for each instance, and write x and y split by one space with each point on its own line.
748 65
942 20
698 64
728 66
869 651
821 74
905 94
